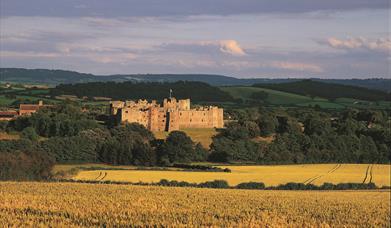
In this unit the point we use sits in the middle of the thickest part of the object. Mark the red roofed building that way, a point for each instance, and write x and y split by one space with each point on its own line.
28 109
8 115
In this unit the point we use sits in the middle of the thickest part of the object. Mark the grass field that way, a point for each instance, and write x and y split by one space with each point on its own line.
283 98
5 101
275 97
86 205
270 175
198 135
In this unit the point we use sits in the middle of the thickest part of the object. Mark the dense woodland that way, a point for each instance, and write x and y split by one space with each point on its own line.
304 136
328 90
66 134
198 91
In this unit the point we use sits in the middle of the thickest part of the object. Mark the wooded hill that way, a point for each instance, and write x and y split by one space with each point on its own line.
329 91
196 91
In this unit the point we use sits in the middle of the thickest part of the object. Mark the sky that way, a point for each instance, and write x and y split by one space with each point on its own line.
239 38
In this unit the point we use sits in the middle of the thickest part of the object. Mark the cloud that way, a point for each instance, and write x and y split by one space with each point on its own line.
159 8
297 66
113 58
228 47
238 45
360 43
231 47
27 54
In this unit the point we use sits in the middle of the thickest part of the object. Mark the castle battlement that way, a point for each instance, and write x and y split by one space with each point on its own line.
171 115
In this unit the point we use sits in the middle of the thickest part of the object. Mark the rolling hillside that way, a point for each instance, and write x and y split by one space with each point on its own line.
280 98
329 91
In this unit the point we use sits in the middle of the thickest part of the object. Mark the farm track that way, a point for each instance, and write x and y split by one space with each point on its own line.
312 179
371 173
368 171
100 174
334 169
104 176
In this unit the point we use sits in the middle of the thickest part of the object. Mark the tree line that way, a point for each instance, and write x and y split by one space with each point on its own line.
197 91
67 134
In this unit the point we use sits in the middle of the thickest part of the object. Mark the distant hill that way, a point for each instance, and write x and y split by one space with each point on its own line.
55 77
330 91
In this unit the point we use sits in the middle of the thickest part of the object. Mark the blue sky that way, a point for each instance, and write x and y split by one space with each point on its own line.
241 38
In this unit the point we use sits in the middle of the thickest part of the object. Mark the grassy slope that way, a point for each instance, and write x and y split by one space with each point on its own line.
284 98
275 97
35 95
327 90
198 135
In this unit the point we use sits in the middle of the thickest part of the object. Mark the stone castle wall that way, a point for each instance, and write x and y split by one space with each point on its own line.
172 115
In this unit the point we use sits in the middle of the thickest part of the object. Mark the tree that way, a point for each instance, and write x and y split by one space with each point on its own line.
62 120
368 149
316 125
178 147
267 125
200 153
22 160
252 128
287 125
30 134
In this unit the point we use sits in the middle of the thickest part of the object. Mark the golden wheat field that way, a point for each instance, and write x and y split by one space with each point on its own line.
36 204
270 175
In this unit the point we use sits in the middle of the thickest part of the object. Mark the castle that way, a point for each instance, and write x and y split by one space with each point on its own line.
170 116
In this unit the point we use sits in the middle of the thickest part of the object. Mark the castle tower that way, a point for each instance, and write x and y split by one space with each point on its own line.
184 105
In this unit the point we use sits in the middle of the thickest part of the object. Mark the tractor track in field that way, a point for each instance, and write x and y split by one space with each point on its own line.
368 173
312 179
100 174
334 169
104 176
371 174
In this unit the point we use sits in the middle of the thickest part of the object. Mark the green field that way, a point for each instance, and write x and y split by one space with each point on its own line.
289 99
34 95
4 101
